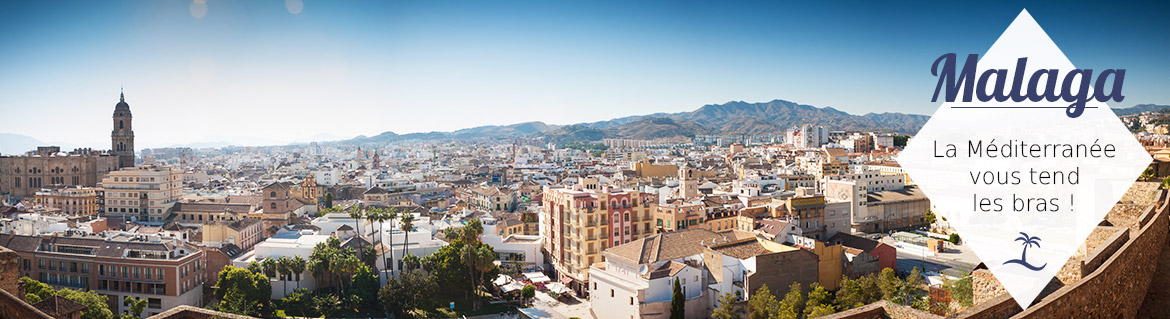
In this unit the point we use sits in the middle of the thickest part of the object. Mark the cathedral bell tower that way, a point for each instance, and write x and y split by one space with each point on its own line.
122 137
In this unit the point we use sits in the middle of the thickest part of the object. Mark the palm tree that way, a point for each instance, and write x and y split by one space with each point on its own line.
357 213
390 214
407 226
378 215
296 265
282 267
1028 241
269 267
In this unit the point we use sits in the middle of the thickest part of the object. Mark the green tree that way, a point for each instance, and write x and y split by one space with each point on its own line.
960 290
134 307
763 304
858 292
284 269
793 304
96 306
243 292
254 266
527 293
411 262
381 216
269 267
677 302
35 291
407 227
889 284
726 309
328 305
296 265
299 303
365 287
1166 182
820 302
954 238
411 290
357 213
328 200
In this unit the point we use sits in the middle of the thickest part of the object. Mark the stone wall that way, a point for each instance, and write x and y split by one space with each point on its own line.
1116 289
1000 307
1117 276
12 306
9 270
882 310
985 287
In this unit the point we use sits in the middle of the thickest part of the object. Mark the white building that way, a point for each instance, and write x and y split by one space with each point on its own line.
286 245
636 280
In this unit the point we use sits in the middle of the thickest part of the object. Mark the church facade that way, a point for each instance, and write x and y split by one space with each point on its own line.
24 175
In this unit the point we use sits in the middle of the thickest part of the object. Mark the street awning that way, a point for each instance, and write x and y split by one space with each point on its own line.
557 288
566 280
502 280
537 277
512 286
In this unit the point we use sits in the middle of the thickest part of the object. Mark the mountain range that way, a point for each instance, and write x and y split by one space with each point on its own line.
736 117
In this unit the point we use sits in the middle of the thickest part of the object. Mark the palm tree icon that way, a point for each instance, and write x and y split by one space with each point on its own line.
1023 261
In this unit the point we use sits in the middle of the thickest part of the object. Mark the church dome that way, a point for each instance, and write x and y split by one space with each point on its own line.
122 106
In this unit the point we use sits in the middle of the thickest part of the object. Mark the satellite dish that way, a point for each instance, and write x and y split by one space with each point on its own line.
643 270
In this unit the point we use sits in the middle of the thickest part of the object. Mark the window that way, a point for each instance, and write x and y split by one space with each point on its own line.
631 301
102 270
154 303
611 292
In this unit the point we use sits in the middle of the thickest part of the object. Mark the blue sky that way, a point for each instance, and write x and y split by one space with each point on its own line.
259 72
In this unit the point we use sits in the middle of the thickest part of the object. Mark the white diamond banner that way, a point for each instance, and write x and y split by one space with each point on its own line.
1024 180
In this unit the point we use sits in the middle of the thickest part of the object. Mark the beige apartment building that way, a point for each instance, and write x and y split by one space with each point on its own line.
75 201
143 193
586 218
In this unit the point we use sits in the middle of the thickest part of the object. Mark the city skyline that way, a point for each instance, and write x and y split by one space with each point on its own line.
302 71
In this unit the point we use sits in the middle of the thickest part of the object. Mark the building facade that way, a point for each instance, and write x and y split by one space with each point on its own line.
164 272
586 218
74 201
143 193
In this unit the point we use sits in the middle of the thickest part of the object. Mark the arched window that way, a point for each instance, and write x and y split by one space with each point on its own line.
273 205
273 195
121 124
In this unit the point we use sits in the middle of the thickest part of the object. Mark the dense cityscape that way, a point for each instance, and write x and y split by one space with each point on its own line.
806 223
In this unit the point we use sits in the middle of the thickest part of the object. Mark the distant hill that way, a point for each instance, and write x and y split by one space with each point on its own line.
17 144
1138 109
735 117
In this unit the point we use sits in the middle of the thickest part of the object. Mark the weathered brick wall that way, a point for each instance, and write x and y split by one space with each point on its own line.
1117 288
9 271
1001 307
896 311
1117 277
882 310
12 306
871 311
